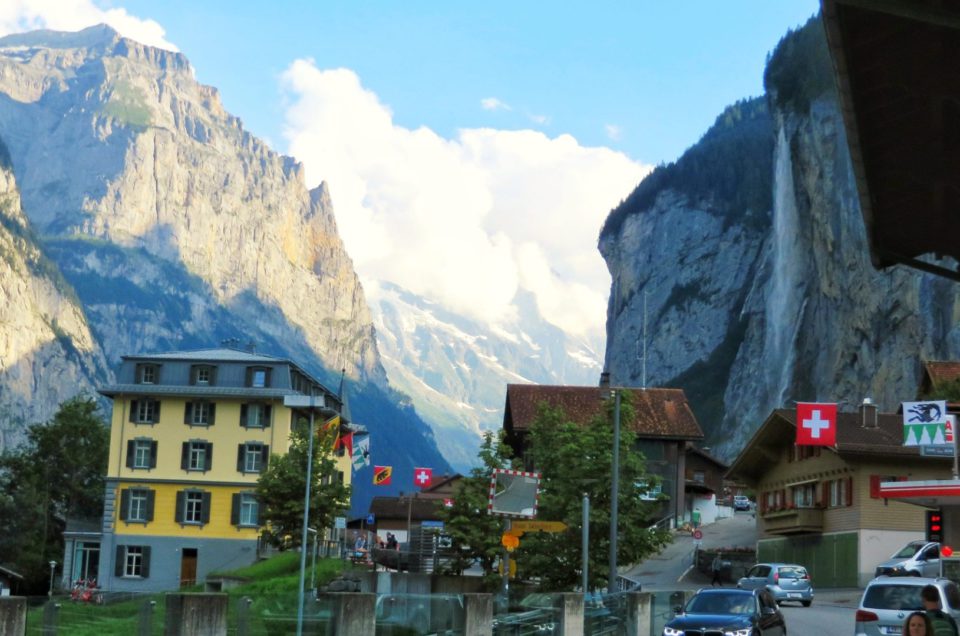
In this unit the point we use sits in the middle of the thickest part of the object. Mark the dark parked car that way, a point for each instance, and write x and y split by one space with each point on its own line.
728 611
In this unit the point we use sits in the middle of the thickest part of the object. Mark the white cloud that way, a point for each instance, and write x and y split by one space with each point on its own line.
492 103
614 132
465 221
73 15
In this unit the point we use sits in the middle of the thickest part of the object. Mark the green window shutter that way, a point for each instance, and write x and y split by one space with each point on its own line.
265 457
266 377
267 410
145 562
213 414
258 511
124 504
193 375
213 376
208 457
178 512
119 561
205 513
153 454
156 411
235 509
184 455
248 377
188 413
241 456
243 415
151 497
133 411
131 449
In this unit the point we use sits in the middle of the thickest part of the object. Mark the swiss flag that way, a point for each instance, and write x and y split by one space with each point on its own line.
816 424
448 503
423 477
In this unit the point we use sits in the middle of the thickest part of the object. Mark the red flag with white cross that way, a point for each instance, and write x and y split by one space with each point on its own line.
816 424
422 477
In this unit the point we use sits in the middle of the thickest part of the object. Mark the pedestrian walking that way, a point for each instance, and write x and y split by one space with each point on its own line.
941 622
716 567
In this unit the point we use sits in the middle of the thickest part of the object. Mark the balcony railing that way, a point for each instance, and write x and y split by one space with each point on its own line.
793 520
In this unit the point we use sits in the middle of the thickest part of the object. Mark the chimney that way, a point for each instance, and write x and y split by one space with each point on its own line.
868 414
604 379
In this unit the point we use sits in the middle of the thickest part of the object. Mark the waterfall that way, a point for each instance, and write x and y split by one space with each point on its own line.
783 303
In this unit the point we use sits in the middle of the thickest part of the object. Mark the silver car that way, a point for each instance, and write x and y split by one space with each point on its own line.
917 558
888 600
785 581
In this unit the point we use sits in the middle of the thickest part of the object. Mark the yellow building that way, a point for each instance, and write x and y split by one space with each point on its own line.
190 434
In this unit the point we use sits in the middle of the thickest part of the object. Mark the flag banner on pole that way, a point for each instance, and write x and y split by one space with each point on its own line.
333 421
924 423
422 477
816 424
448 503
361 453
347 442
382 475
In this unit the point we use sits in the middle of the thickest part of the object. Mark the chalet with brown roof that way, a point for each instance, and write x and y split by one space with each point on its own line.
398 514
820 506
662 420
938 375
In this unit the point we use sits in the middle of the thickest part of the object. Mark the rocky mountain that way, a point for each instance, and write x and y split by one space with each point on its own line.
173 228
456 370
751 253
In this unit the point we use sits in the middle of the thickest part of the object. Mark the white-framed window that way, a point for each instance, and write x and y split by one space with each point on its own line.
142 453
253 458
256 415
203 375
259 378
198 456
133 560
805 495
201 413
838 493
137 510
249 509
193 507
699 476
147 373
146 411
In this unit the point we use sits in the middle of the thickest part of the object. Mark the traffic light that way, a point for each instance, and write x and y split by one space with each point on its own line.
934 526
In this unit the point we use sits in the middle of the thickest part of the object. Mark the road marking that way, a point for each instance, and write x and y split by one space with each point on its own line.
685 572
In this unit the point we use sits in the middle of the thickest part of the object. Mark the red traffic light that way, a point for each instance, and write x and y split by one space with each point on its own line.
946 551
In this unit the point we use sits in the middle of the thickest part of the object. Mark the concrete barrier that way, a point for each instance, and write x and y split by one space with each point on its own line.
478 614
571 614
639 614
353 613
13 615
196 615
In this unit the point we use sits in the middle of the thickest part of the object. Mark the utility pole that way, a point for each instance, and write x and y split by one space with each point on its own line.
614 491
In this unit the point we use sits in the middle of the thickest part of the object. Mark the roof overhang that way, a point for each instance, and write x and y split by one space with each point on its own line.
933 493
896 71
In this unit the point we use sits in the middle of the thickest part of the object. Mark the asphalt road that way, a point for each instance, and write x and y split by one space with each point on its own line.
832 612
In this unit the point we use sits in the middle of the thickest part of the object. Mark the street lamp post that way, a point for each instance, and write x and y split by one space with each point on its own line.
53 565
614 490
585 543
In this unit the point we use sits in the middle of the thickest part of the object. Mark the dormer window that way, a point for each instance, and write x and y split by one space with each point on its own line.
148 373
203 375
258 377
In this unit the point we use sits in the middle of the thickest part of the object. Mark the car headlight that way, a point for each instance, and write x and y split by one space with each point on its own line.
670 631
739 631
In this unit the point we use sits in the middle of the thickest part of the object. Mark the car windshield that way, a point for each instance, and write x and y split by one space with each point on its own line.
898 597
720 603
908 551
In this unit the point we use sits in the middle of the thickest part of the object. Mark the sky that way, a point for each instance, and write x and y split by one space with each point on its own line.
472 150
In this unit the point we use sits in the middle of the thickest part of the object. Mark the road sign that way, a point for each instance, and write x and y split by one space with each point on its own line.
697 535
537 526
510 541
371 519
340 522
431 524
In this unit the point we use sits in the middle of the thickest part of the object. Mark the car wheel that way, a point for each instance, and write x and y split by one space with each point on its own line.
806 603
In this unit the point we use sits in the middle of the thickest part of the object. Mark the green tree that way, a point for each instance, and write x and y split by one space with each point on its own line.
475 535
281 487
56 474
574 459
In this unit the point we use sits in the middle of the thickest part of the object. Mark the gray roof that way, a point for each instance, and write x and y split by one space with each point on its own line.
195 391
219 355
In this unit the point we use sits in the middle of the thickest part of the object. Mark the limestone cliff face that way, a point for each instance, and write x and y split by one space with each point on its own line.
47 352
759 311
133 171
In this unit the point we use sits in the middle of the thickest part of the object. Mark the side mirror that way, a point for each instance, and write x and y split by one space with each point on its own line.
678 609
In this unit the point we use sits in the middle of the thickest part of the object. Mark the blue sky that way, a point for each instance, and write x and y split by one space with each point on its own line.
658 71
472 150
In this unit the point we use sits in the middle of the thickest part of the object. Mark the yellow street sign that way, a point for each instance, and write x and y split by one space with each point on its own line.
537 526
